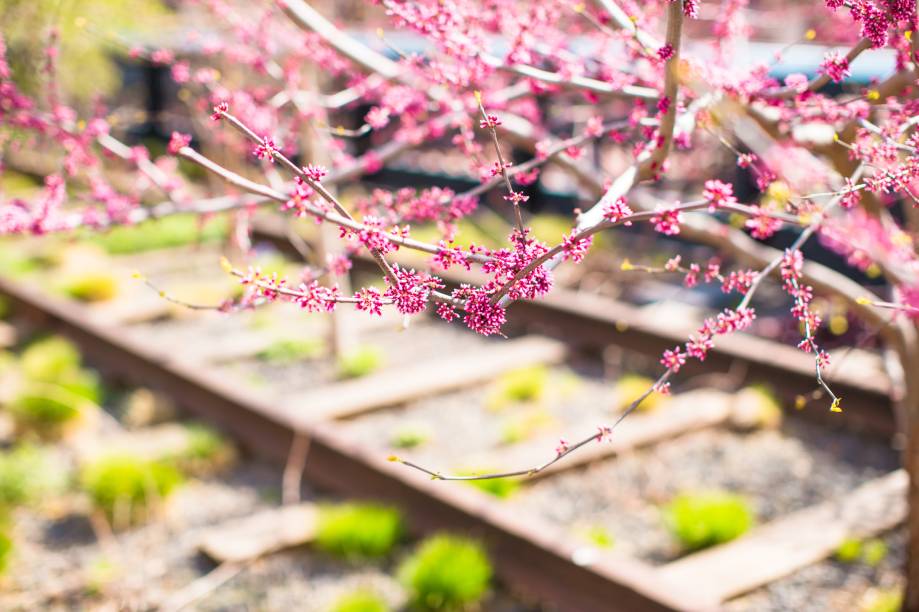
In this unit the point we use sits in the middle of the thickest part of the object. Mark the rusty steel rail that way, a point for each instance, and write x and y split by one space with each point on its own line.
594 323
532 558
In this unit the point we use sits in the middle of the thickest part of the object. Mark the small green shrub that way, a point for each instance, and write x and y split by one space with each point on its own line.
90 287
706 519
409 437
446 573
358 531
128 482
527 384
361 601
360 361
292 350
632 386
26 474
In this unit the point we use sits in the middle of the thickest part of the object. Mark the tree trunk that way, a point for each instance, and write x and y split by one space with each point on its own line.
910 408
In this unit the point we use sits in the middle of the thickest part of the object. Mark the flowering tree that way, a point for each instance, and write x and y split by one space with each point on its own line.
266 85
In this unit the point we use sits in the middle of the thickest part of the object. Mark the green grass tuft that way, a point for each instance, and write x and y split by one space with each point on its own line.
289 350
446 573
27 473
360 361
359 531
127 488
527 384
705 519
360 601
168 232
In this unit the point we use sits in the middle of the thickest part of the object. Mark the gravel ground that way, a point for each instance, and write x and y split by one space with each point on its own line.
60 564
423 340
460 429
830 585
778 471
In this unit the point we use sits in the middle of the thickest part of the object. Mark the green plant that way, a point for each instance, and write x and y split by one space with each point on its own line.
599 536
360 361
849 550
291 350
874 551
168 232
632 386
48 410
527 384
56 362
523 426
358 531
446 573
90 286
360 601
499 487
6 550
705 519
889 600
409 436
870 552
207 451
50 358
26 474
127 488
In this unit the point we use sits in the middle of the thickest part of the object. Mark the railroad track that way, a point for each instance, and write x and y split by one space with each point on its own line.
533 554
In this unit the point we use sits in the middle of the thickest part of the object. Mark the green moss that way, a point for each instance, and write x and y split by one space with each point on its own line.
705 519
132 483
527 384
446 573
360 601
360 361
90 287
168 232
358 531
292 350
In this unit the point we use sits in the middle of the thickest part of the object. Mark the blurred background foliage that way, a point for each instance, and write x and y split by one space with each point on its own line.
88 32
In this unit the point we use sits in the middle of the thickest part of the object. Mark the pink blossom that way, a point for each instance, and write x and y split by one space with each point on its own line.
673 359
266 149
797 81
835 66
617 210
176 141
667 221
761 225
314 173
370 300
219 110
377 117
718 194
